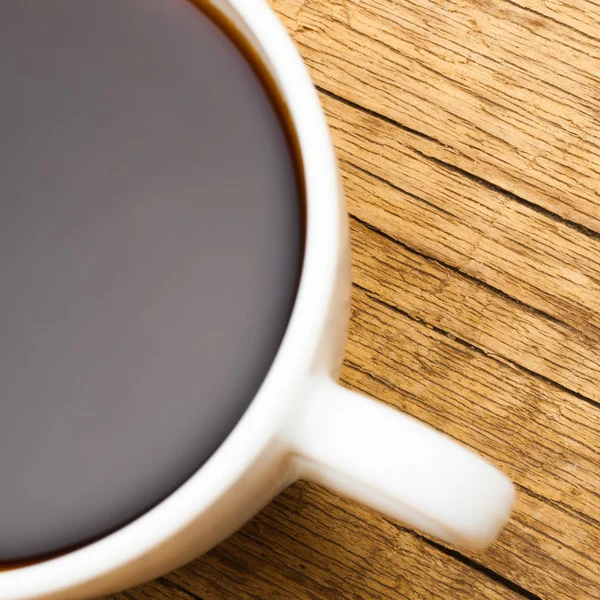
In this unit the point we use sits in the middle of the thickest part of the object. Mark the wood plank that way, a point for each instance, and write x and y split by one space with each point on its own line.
459 305
440 213
507 95
311 545
544 438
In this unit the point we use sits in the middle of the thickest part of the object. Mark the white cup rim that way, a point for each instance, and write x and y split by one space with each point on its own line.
260 425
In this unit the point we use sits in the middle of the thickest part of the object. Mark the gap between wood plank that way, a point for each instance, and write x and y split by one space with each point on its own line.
456 555
452 336
485 571
474 348
175 586
560 506
472 564
540 313
591 233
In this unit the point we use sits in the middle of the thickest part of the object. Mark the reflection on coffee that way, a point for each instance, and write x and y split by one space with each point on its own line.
150 247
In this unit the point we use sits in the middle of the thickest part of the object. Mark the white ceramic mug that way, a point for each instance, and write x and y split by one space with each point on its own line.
301 424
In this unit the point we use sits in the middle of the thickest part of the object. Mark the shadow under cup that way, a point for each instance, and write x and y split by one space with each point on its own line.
151 244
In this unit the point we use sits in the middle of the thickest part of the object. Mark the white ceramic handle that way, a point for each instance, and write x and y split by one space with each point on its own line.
399 466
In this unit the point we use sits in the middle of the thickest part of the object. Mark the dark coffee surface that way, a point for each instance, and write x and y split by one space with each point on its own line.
150 243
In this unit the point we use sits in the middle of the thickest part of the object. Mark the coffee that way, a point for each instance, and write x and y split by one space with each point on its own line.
151 241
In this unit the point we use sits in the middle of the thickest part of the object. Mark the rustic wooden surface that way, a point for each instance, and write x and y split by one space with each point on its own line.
469 137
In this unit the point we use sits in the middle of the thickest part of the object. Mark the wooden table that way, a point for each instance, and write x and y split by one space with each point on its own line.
469 137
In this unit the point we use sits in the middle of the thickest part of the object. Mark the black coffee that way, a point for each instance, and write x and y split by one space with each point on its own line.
150 247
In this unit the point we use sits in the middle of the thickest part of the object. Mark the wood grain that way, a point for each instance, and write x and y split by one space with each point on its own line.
543 441
461 306
468 133
506 94
309 545
547 265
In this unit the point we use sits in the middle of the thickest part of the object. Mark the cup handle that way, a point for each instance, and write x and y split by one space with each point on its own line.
380 457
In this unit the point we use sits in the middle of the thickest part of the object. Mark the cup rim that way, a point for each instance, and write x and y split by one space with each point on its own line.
263 420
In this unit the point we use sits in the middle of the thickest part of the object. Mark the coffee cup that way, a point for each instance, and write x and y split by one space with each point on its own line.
301 424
